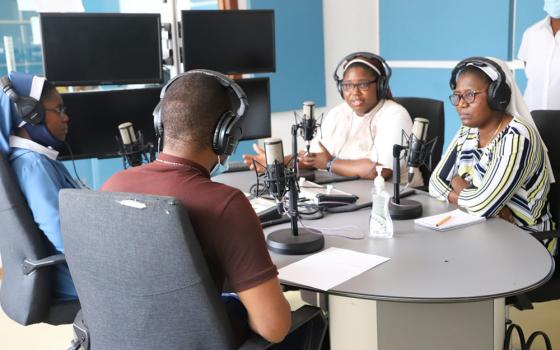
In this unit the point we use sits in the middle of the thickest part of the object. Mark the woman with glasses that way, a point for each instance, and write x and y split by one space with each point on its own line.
497 164
33 125
359 133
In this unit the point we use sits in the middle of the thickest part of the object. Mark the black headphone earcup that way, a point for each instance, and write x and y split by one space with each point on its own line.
381 87
499 96
226 135
30 110
504 96
158 122
339 88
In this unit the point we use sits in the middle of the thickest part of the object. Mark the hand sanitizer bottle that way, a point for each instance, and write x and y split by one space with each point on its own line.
380 223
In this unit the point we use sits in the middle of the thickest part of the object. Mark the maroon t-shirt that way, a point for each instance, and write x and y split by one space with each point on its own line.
226 225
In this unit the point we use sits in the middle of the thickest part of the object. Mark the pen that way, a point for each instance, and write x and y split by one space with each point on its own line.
443 221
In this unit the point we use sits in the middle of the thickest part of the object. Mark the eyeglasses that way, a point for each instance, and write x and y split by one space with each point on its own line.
59 109
468 96
362 86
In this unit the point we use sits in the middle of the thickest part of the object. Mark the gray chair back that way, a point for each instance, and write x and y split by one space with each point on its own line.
419 107
25 298
548 124
140 275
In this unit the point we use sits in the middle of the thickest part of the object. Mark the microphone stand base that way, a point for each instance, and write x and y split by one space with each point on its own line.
285 242
407 209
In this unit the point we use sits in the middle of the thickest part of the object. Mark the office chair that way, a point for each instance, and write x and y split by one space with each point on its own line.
142 279
419 107
548 124
25 291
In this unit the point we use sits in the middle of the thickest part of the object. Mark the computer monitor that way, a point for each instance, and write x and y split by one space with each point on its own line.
256 124
95 116
229 41
101 48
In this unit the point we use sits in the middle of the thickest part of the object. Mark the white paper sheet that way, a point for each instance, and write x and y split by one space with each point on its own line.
329 268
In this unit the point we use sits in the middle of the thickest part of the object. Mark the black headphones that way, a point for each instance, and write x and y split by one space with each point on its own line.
499 92
29 109
382 80
228 130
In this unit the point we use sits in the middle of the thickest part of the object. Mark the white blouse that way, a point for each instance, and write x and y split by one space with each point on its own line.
371 136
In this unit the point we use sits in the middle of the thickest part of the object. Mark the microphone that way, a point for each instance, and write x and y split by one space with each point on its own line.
309 123
131 147
416 146
275 174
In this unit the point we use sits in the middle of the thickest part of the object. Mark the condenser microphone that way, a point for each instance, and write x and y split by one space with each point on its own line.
309 123
275 169
416 146
131 146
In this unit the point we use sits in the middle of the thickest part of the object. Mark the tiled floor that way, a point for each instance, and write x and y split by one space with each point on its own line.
545 317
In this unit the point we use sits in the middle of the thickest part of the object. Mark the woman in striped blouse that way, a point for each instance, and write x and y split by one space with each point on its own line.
497 164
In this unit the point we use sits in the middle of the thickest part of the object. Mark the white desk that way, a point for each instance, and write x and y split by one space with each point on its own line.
440 290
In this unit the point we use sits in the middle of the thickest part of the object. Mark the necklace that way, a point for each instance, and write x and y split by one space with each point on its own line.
497 129
495 133
171 163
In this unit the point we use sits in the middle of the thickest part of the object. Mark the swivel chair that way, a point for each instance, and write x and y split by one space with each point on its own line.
419 107
548 124
142 279
26 293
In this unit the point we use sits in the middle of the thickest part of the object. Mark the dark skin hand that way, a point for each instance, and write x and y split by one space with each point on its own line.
364 168
458 184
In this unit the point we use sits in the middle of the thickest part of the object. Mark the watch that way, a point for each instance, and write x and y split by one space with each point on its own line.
330 164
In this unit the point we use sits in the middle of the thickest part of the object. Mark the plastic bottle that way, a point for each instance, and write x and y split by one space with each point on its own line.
380 223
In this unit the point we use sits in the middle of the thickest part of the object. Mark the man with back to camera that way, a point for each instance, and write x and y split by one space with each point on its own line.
540 51
194 106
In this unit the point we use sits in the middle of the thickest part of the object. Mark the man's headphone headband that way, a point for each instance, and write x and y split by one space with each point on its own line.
499 92
382 80
228 131
28 108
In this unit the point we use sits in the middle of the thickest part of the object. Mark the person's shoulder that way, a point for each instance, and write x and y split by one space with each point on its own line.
537 27
227 192
341 108
25 158
522 128
393 109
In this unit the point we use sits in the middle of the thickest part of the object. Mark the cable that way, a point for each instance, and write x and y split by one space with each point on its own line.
78 178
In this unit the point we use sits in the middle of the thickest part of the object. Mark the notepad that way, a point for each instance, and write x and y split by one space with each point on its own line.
457 218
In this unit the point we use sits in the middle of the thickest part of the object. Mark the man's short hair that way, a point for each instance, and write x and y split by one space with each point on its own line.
192 106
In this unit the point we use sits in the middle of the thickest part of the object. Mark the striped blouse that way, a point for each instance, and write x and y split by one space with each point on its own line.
510 171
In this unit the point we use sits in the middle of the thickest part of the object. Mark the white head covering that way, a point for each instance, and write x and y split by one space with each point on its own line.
362 61
517 106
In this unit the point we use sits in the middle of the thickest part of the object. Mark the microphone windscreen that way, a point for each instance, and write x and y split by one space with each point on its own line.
420 128
127 133
274 151
308 109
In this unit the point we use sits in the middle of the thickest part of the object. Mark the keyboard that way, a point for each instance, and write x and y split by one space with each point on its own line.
237 166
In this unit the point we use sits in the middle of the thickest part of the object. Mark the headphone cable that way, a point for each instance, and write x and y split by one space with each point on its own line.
78 178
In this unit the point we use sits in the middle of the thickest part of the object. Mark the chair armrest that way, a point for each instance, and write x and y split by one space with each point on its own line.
300 317
30 266
545 235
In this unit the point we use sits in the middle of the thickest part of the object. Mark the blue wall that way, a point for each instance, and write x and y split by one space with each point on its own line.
443 29
300 64
450 30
